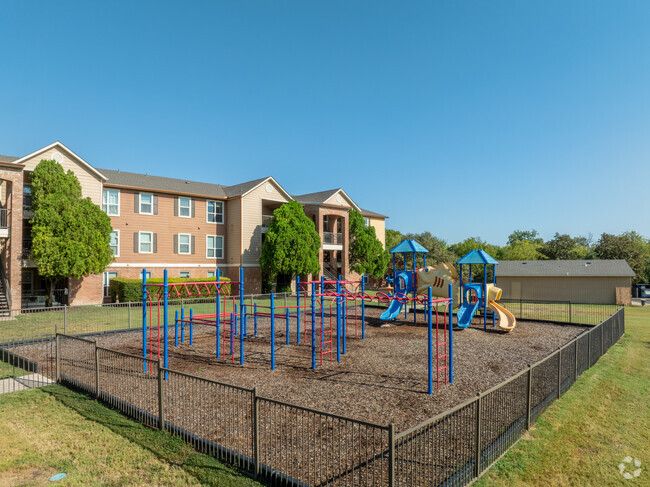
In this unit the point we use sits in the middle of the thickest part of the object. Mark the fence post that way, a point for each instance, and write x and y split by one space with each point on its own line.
161 414
602 339
129 305
589 348
391 454
521 309
65 319
575 372
570 313
256 434
58 360
96 371
559 372
477 465
529 397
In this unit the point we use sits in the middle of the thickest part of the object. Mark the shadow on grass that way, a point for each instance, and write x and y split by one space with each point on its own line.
168 448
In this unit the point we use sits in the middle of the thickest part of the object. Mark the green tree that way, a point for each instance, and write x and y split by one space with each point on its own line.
70 234
475 243
367 254
564 247
524 236
521 250
629 246
291 245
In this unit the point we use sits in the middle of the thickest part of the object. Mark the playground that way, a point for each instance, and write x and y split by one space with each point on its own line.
382 378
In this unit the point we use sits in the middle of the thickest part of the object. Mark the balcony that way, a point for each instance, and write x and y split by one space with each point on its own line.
332 241
5 219
266 221
28 213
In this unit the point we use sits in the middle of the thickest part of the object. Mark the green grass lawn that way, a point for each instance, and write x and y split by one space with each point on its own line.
51 430
582 438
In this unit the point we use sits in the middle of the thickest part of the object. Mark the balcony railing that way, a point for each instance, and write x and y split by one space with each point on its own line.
266 220
332 238
27 248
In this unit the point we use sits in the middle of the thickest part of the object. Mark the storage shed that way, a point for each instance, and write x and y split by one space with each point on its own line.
578 281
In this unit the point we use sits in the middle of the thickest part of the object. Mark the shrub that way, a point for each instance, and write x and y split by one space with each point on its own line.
130 290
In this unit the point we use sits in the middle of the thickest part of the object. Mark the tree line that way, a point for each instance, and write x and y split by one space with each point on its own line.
528 245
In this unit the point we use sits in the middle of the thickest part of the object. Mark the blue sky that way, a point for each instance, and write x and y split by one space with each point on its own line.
461 118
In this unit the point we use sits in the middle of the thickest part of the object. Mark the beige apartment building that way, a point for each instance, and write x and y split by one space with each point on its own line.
187 227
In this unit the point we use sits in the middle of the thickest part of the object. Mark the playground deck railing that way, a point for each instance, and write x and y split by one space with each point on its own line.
286 443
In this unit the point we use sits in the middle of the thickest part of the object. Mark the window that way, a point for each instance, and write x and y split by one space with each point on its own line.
148 274
146 243
107 281
214 247
212 273
111 202
366 221
215 211
184 243
185 274
146 203
185 207
27 197
115 242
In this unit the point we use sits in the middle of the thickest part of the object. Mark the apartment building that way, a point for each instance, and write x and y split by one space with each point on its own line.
187 227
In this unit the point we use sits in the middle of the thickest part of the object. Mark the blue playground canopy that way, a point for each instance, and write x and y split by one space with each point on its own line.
476 257
409 246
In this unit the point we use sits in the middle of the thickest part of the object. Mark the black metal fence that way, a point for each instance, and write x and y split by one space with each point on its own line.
289 444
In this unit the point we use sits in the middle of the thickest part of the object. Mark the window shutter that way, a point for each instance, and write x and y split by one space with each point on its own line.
175 205
155 243
193 239
192 205
136 202
155 204
136 248
176 243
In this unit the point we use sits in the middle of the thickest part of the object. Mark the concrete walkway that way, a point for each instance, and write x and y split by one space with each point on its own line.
29 381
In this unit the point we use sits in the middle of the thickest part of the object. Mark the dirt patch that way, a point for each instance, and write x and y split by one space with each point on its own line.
381 379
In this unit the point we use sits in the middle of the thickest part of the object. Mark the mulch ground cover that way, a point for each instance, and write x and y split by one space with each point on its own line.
382 379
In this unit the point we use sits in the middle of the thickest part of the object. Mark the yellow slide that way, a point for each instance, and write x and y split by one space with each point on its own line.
507 320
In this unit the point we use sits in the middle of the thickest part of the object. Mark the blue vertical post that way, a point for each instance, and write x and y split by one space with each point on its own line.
287 320
297 309
429 343
272 332
363 307
338 321
191 328
460 285
165 333
344 323
242 318
450 353
313 325
182 320
412 283
176 329
218 312
241 344
485 297
183 325
255 317
144 316
234 311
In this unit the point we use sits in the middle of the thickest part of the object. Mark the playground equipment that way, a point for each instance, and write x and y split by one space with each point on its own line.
483 296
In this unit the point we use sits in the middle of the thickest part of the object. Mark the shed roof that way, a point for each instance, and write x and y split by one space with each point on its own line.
557 268
477 257
408 246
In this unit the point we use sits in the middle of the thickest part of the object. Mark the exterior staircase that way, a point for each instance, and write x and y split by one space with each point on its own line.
4 302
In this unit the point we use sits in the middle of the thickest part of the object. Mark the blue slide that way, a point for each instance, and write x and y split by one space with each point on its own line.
401 288
392 311
466 313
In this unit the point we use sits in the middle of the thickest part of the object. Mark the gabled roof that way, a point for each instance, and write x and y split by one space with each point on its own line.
372 214
407 246
571 268
8 158
59 144
243 189
321 197
159 183
477 257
